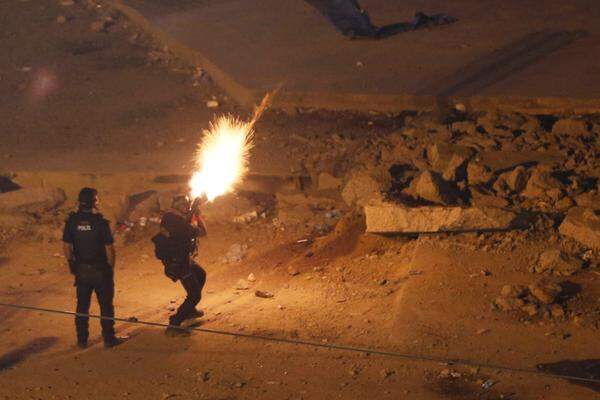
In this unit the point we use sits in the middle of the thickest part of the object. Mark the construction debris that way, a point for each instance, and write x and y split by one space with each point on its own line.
583 225
392 218
34 199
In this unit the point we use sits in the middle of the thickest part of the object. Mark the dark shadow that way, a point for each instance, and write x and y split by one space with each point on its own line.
7 185
569 290
502 63
353 22
586 369
35 346
138 198
3 260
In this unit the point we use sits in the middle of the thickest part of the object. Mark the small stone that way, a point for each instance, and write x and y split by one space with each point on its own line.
386 373
558 263
61 19
293 271
264 294
99 26
212 104
545 290
557 311
251 278
508 303
515 291
531 309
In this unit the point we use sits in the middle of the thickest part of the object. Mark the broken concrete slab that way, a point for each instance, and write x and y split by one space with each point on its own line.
32 199
393 218
583 225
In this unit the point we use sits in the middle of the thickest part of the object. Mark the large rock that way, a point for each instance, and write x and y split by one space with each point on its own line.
541 184
440 155
589 200
361 189
432 187
392 218
478 173
556 262
571 127
583 225
516 179
32 199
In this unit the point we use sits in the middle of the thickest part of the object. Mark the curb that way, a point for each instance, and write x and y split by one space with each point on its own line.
288 101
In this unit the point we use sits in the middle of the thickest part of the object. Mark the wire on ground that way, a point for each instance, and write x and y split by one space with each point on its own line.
329 346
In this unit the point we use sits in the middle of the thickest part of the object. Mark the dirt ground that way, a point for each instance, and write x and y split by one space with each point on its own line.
88 99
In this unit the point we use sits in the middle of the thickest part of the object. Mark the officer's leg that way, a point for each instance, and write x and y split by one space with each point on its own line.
192 288
84 295
105 292
200 274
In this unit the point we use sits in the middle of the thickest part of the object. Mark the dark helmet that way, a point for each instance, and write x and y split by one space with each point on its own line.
87 198
181 203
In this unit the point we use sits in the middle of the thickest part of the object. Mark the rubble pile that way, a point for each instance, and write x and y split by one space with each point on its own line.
542 298
527 164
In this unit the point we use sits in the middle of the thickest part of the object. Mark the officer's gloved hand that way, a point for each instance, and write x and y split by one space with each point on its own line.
72 266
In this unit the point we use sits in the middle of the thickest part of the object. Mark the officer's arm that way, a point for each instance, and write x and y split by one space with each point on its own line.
111 255
68 250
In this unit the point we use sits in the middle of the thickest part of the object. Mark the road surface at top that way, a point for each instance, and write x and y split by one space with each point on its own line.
499 51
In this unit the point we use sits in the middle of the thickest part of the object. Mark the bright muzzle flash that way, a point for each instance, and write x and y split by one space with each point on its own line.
223 155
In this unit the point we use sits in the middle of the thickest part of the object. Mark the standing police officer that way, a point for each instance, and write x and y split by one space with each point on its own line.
88 247
175 246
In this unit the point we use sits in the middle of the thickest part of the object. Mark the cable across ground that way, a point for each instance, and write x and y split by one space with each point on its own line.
330 346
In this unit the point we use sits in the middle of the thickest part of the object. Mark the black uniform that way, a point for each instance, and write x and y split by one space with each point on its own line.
175 251
89 233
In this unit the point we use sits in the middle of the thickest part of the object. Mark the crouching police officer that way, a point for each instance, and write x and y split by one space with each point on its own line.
88 247
175 246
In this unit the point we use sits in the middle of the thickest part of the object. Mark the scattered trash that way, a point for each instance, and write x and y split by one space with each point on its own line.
246 218
304 241
488 384
212 104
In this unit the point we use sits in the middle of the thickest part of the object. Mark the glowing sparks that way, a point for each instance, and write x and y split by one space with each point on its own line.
223 155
